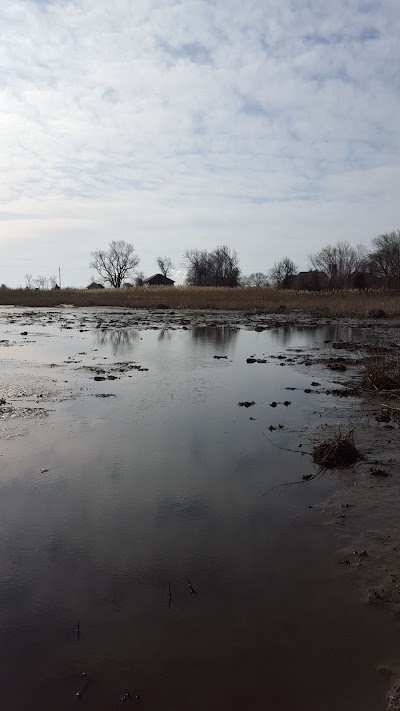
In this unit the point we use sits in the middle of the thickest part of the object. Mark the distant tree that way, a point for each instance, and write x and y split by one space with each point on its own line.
282 273
339 261
3 287
29 281
217 268
385 259
165 265
53 282
116 263
198 265
256 279
139 279
41 282
225 266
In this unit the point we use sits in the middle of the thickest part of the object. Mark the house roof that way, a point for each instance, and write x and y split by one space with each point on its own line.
157 275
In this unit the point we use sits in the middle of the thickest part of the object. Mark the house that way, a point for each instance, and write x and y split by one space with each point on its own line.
310 281
93 285
158 280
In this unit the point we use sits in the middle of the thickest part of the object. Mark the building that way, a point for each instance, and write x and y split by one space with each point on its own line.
158 280
93 285
310 281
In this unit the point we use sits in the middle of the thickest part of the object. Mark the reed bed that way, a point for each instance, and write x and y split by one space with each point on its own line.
264 300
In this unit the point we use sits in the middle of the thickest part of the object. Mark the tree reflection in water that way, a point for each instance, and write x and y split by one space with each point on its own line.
121 339
219 336
164 334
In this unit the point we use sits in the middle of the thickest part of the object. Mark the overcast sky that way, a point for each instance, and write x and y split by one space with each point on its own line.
268 125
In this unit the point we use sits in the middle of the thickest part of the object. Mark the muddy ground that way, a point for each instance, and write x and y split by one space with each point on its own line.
364 509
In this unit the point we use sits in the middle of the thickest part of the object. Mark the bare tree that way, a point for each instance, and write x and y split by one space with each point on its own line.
165 265
217 268
116 263
225 265
198 267
29 281
385 259
282 273
53 281
41 282
139 278
256 279
339 261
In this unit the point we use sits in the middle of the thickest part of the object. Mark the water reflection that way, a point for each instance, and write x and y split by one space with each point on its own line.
220 337
157 490
121 339
165 334
307 335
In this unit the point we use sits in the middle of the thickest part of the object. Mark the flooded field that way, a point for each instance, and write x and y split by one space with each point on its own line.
138 498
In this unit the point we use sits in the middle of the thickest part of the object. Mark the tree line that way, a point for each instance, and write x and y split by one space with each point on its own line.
337 266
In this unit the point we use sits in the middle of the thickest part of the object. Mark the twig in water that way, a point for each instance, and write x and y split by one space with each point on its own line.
191 588
286 449
385 539
78 632
169 594
125 697
304 480
83 686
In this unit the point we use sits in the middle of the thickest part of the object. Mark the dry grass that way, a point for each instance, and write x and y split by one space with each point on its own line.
338 452
321 304
381 373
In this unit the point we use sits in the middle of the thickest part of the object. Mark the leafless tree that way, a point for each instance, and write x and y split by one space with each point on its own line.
139 278
116 263
385 259
198 267
225 266
53 281
29 281
283 272
256 279
165 265
339 261
217 268
41 282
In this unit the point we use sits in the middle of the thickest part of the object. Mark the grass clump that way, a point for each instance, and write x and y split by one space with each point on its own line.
381 373
338 452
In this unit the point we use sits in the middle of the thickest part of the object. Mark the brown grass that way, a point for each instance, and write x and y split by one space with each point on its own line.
338 452
321 304
381 373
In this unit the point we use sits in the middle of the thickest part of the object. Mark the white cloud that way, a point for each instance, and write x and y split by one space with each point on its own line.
269 126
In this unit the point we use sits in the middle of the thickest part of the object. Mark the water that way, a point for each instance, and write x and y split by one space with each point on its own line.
108 502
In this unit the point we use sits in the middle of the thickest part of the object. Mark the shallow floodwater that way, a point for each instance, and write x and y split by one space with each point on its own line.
108 505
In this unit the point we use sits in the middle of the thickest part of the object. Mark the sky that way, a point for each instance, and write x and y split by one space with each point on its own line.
268 125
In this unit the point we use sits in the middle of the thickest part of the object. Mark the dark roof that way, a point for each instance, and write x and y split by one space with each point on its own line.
93 285
158 276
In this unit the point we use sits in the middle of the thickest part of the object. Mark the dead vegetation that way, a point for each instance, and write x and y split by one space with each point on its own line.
362 304
337 452
381 373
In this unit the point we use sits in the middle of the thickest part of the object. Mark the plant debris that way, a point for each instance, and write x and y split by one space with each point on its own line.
379 472
246 403
339 452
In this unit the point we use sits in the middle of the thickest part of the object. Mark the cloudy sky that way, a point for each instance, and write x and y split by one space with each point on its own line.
269 125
